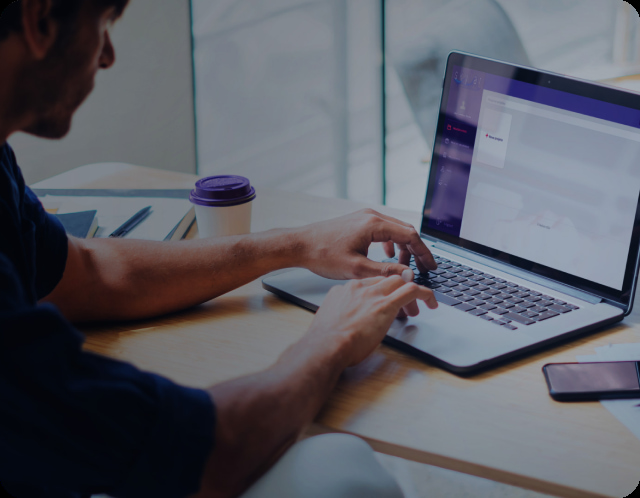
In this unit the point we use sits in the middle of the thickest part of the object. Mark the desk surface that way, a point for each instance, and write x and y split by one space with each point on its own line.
501 425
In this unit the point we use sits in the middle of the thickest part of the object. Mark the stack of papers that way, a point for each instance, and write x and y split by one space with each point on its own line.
169 218
626 411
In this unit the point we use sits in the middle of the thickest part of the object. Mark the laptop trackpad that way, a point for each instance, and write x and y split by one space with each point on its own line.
456 337
446 333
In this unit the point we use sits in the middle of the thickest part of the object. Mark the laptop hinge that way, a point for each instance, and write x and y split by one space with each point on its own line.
531 277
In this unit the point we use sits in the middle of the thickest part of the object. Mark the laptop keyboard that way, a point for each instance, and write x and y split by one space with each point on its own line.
504 303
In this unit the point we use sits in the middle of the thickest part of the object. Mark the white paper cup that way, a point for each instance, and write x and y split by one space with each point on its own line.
223 205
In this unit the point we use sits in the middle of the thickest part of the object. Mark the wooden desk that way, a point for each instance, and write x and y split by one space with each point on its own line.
500 425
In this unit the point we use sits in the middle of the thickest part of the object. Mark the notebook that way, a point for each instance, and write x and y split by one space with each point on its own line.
170 217
531 211
83 224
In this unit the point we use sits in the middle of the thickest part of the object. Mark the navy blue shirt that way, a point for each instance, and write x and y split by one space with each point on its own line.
73 423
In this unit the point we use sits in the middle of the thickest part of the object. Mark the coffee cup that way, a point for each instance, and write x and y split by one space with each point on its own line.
223 205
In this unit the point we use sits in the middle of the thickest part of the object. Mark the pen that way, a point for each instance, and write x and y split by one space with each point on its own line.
131 223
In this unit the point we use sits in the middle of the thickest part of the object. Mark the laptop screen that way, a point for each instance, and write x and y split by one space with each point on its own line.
539 171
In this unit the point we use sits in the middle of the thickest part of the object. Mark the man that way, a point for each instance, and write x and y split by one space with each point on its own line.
74 423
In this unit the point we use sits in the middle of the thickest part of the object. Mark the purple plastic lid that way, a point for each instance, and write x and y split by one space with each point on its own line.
222 190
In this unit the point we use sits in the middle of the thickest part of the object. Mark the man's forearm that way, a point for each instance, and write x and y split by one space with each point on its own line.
130 279
261 415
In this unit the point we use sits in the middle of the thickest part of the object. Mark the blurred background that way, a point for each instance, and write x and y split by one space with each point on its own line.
335 98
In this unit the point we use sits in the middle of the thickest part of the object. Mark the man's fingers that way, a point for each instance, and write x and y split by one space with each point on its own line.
392 219
389 248
411 309
410 292
408 237
404 258
368 268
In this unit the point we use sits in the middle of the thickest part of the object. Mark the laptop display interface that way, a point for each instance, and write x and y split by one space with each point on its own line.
549 177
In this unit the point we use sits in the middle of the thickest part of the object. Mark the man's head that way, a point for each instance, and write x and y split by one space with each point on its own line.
50 52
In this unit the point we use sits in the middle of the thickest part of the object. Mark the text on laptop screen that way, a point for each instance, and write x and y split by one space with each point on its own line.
544 175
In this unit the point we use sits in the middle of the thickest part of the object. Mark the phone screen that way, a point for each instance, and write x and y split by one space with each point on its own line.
593 377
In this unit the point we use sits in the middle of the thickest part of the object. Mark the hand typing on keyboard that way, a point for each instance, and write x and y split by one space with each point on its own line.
488 297
338 248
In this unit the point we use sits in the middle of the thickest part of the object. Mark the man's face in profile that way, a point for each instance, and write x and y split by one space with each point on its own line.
54 88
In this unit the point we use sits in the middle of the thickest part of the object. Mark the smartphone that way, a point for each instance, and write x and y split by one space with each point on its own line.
592 381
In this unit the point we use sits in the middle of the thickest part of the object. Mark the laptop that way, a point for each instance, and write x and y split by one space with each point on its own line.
531 211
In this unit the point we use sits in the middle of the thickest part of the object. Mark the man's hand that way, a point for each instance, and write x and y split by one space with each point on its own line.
338 248
359 313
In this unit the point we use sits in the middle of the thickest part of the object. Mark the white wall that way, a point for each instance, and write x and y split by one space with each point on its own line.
141 110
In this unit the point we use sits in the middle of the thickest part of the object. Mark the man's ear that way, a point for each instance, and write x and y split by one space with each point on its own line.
39 28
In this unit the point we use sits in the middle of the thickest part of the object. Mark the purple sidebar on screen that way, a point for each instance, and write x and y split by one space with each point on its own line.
455 149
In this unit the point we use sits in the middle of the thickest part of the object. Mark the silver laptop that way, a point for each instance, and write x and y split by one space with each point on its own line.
531 212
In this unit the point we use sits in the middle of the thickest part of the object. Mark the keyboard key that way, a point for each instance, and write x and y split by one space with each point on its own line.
534 293
444 266
544 302
499 322
548 298
484 296
538 309
439 271
519 318
453 263
521 294
509 326
471 283
464 298
477 312
511 284
445 290
472 292
572 306
546 315
445 299
507 305
514 300
500 311
481 287
526 305
518 309
449 283
558 308
529 314
475 302
455 270
557 301
488 306
493 292
462 288
532 299
499 286
455 293
486 317
463 307
460 280
495 301
500 280
520 288
503 296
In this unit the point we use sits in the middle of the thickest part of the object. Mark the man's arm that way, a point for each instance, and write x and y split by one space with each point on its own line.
261 415
116 279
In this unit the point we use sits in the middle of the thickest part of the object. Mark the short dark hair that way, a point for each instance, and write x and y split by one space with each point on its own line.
64 10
